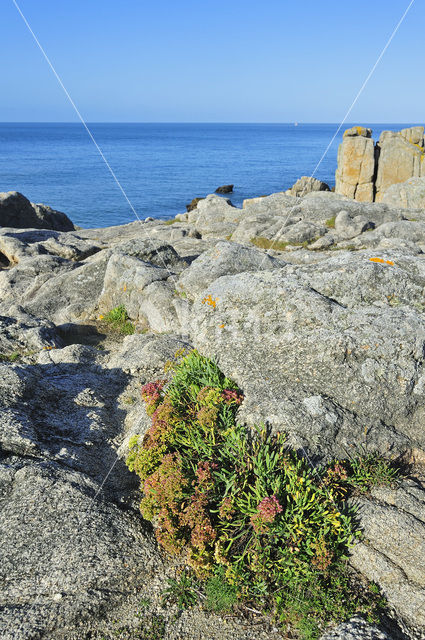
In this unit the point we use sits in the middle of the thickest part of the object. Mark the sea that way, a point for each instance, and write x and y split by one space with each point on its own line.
160 166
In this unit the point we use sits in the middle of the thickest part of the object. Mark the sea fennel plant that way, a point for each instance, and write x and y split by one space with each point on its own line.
242 507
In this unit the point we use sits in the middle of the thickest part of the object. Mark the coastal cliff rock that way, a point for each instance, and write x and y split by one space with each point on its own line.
18 212
314 305
400 157
367 172
356 165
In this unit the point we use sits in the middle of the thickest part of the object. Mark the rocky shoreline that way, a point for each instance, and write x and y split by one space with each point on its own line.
313 304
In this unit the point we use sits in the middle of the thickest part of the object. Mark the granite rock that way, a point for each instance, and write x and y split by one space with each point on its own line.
18 212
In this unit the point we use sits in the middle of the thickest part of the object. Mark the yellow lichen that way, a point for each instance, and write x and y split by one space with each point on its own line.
210 301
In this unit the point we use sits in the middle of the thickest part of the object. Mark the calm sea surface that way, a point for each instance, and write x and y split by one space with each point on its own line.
160 166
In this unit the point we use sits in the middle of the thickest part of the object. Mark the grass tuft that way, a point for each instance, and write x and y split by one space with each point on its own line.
265 243
118 320
10 357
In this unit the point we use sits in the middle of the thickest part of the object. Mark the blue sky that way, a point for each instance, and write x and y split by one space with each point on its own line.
212 60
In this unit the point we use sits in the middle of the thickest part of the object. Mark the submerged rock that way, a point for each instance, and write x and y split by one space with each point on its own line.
226 188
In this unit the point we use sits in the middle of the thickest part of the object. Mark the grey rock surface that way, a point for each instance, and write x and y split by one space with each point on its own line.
223 259
215 216
399 158
18 212
355 629
393 522
406 195
335 376
306 185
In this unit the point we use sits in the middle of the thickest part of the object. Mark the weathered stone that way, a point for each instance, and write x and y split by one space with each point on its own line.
286 343
414 135
153 251
16 244
215 216
355 629
348 226
223 259
301 232
356 165
406 195
71 296
399 160
193 204
18 212
23 334
25 279
125 279
306 185
393 522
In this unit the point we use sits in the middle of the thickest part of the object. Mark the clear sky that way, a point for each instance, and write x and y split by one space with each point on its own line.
212 60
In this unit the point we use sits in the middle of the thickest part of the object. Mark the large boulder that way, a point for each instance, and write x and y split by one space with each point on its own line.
215 216
331 353
407 195
400 158
17 212
356 165
224 258
305 185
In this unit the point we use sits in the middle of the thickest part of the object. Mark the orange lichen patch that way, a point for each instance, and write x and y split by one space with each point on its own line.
124 288
222 326
101 317
382 261
48 348
210 301
365 346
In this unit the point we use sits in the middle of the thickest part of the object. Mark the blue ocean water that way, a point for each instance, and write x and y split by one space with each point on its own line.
160 166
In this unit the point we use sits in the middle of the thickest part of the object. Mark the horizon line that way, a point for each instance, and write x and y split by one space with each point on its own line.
293 123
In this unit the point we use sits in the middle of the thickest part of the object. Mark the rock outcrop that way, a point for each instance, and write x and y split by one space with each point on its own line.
17 212
406 195
314 305
400 156
366 171
356 165
306 185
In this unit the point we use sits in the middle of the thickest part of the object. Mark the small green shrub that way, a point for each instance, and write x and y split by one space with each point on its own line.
181 591
255 523
331 222
172 221
118 319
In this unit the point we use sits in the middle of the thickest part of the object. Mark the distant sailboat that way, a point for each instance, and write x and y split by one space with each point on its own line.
295 124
